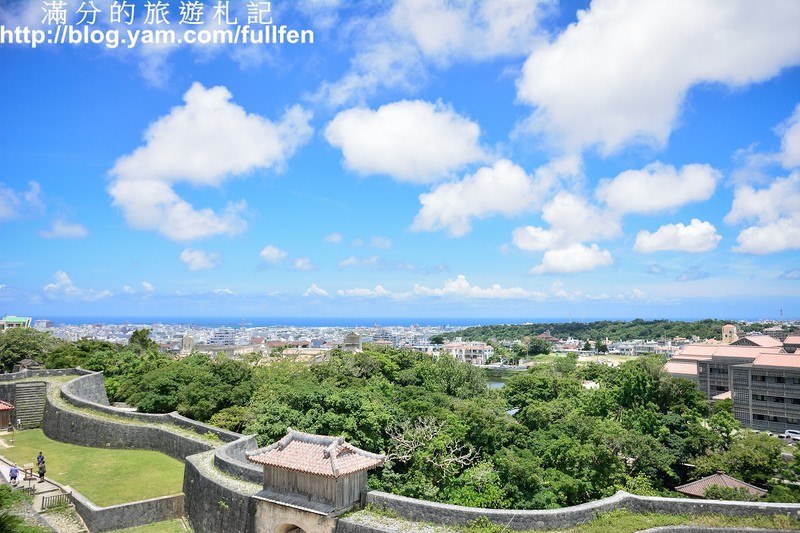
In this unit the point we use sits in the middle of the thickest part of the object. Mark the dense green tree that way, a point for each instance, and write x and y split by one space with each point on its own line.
17 344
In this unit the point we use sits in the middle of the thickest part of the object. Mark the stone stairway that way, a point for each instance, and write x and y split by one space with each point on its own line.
30 398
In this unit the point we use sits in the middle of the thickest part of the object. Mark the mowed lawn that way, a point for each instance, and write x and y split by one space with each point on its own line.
106 476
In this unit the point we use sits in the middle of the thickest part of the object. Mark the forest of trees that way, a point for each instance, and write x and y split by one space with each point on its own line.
617 330
448 436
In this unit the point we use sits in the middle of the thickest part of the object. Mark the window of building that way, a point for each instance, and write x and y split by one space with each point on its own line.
759 378
758 397
774 419
778 399
780 379
758 417
720 388
795 381
796 401
792 420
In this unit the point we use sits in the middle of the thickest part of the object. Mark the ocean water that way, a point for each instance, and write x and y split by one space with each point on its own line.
296 321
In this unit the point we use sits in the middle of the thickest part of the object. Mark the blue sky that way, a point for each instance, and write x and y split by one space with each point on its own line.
421 158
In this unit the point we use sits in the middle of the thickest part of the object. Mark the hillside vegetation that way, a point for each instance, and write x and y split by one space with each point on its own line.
448 436
616 330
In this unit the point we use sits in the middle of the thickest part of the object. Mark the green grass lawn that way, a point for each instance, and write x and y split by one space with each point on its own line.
170 526
106 476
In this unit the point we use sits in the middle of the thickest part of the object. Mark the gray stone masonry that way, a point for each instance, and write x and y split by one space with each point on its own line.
127 515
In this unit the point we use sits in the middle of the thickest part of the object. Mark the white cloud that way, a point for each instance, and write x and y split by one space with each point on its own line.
224 292
313 290
413 141
64 230
273 255
200 259
379 65
461 288
63 287
303 263
334 238
774 212
572 259
148 287
16 204
203 142
396 47
452 30
356 243
658 187
698 236
790 141
621 72
377 292
127 289
504 189
353 261
572 220
384 243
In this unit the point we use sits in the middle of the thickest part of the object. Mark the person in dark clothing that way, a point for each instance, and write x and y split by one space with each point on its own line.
13 473
40 458
42 470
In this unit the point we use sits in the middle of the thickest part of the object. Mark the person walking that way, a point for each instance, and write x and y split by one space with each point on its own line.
13 473
42 470
40 458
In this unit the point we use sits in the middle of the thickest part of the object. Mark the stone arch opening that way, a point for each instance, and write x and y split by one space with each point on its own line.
289 528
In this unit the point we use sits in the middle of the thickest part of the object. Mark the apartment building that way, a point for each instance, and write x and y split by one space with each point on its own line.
475 353
766 392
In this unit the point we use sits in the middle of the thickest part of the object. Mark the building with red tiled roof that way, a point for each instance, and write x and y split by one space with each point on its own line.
766 392
6 414
763 341
792 343
326 471
698 488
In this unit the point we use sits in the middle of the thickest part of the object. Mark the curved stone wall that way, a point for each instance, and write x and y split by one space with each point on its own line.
127 515
566 517
66 425
213 505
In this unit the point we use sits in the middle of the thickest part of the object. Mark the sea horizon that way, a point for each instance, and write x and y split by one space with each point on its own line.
206 321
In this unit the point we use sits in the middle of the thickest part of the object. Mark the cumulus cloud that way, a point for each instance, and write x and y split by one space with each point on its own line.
63 287
17 203
773 212
502 189
395 48
444 31
620 73
698 236
334 238
303 263
413 141
572 220
200 259
461 288
224 292
313 290
658 187
572 259
273 255
62 229
203 142
790 140
148 287
377 292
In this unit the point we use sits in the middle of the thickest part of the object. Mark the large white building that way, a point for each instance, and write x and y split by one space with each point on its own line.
475 353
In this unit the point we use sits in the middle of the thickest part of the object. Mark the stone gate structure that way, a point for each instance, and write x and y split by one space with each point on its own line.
309 480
